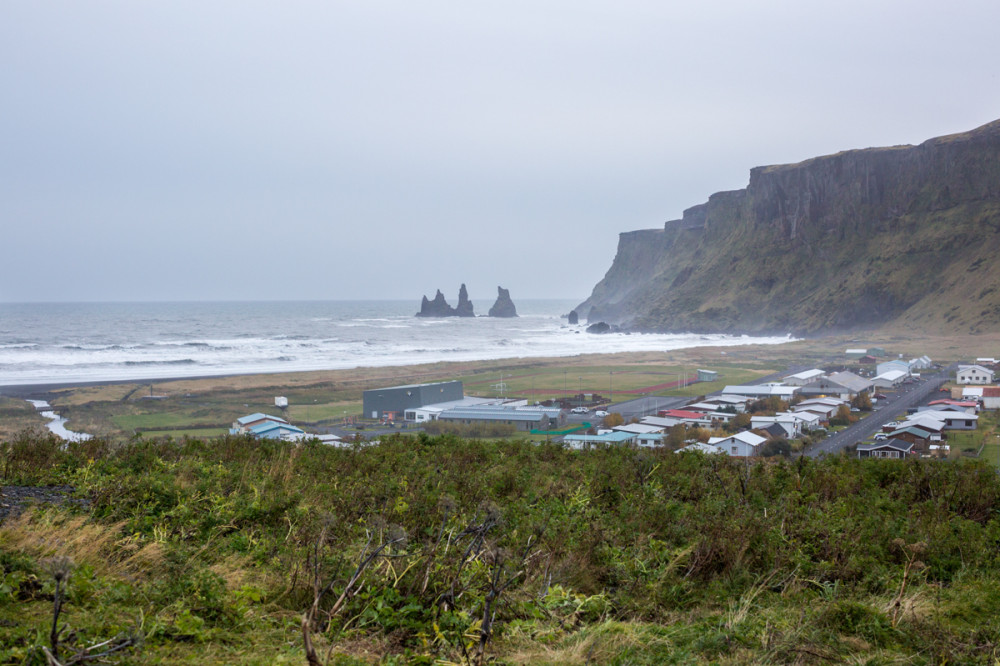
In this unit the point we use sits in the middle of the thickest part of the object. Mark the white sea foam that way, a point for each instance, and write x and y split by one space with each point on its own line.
49 343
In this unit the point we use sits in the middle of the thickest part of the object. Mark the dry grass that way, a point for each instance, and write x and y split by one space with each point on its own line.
599 644
102 547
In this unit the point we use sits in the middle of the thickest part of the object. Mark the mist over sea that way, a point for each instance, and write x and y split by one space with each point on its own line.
43 343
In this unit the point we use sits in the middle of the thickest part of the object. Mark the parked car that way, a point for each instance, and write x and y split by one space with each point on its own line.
601 413
580 410
880 436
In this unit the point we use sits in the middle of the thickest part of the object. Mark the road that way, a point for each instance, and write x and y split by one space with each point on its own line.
909 396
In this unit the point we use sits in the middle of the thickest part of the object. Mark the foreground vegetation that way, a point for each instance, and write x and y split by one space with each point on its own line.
442 550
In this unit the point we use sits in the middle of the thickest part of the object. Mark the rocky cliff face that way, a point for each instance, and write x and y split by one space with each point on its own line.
503 307
903 235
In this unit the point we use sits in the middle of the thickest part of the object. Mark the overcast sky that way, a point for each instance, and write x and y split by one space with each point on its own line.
354 150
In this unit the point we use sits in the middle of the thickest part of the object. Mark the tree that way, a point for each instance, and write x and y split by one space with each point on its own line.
843 416
862 401
776 447
613 419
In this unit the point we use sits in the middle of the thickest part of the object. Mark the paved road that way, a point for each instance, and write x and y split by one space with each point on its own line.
909 396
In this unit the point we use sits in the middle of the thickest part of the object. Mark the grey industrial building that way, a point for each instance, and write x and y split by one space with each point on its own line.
392 402
522 419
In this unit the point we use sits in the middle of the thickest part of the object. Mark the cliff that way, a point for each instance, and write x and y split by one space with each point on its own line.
904 235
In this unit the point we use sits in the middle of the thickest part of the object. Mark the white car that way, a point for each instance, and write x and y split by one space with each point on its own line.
580 410
601 413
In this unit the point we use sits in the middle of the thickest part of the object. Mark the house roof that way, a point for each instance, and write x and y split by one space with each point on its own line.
745 437
639 428
953 402
683 414
755 390
773 429
991 392
258 416
806 374
659 421
974 368
913 430
613 437
892 375
269 427
942 415
894 444
850 380
484 413
699 447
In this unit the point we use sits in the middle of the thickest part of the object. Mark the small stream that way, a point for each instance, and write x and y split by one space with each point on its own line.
57 424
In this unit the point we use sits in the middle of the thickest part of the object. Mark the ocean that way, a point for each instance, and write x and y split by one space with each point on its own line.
55 343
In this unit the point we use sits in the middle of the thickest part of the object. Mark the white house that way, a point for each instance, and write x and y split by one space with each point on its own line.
791 425
974 374
952 420
807 420
991 397
826 406
743 444
650 439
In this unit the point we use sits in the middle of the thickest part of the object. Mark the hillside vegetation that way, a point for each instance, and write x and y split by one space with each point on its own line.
510 552
860 239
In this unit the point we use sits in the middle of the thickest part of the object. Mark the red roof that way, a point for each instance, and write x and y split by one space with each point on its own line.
955 403
682 414
991 391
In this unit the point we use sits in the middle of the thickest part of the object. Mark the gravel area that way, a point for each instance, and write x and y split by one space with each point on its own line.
14 499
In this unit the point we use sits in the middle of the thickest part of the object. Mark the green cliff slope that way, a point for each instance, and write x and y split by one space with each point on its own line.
906 235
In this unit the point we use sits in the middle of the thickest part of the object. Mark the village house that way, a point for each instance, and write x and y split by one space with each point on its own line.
743 444
974 374
612 437
264 426
788 421
951 419
825 406
890 448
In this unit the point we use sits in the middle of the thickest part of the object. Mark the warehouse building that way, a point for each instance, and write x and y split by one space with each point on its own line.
392 402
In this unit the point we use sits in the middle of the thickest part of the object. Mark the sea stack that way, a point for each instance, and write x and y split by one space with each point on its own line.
504 307
439 306
464 308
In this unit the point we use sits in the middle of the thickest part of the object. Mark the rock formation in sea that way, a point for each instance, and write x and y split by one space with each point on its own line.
439 306
504 307
464 307
573 318
904 235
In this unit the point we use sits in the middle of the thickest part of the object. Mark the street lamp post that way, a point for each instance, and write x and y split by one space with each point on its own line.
611 385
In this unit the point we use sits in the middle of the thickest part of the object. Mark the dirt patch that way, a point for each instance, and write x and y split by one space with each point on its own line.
14 499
